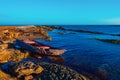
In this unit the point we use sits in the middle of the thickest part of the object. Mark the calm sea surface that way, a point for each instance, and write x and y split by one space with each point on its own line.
86 55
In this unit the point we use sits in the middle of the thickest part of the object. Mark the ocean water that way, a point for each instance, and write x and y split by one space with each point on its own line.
87 55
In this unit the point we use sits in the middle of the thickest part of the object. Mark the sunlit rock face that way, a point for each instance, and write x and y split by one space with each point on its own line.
12 55
25 69
8 33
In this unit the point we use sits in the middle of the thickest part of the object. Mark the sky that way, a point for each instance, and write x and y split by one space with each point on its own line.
59 12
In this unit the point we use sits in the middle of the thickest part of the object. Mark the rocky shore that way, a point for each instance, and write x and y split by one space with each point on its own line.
27 70
12 65
113 41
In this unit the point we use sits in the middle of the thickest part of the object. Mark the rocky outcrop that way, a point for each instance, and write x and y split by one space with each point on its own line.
25 69
57 72
23 32
113 41
29 70
7 55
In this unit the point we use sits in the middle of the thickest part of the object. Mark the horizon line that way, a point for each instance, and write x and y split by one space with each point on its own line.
59 24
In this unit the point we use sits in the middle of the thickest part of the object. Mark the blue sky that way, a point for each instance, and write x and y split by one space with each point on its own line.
59 12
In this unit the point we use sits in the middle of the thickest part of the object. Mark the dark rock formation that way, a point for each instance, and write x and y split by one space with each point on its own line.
57 72
109 40
25 69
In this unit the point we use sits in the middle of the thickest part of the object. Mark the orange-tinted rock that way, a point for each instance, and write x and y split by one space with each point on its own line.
12 55
25 69
5 76
3 46
29 77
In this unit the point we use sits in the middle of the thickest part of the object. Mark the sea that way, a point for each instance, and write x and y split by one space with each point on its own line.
85 54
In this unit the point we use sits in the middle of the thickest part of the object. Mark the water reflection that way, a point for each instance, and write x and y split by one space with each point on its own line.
56 59
51 58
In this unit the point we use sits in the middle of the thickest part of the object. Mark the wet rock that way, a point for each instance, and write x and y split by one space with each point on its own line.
86 31
113 41
57 72
52 27
115 34
62 33
25 69
102 72
57 27
5 76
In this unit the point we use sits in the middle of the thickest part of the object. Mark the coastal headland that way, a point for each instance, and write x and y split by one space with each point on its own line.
12 64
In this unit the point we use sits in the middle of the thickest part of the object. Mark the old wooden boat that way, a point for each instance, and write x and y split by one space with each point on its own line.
37 47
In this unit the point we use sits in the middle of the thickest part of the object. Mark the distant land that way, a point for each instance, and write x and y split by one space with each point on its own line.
55 25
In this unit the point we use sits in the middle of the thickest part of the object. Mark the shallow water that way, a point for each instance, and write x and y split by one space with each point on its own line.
85 54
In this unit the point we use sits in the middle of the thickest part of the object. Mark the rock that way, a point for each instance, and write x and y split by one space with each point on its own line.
3 46
113 41
57 72
8 34
4 76
25 69
29 77
7 55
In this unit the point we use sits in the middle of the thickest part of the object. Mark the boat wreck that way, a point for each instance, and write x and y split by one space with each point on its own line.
37 47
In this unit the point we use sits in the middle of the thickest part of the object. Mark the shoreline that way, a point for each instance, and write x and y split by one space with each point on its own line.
10 54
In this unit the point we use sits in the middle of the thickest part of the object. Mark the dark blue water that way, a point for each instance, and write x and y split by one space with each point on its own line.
85 54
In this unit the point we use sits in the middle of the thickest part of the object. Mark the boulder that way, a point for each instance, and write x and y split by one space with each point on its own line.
25 69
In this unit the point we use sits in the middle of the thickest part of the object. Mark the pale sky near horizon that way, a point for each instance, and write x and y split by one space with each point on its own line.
59 12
